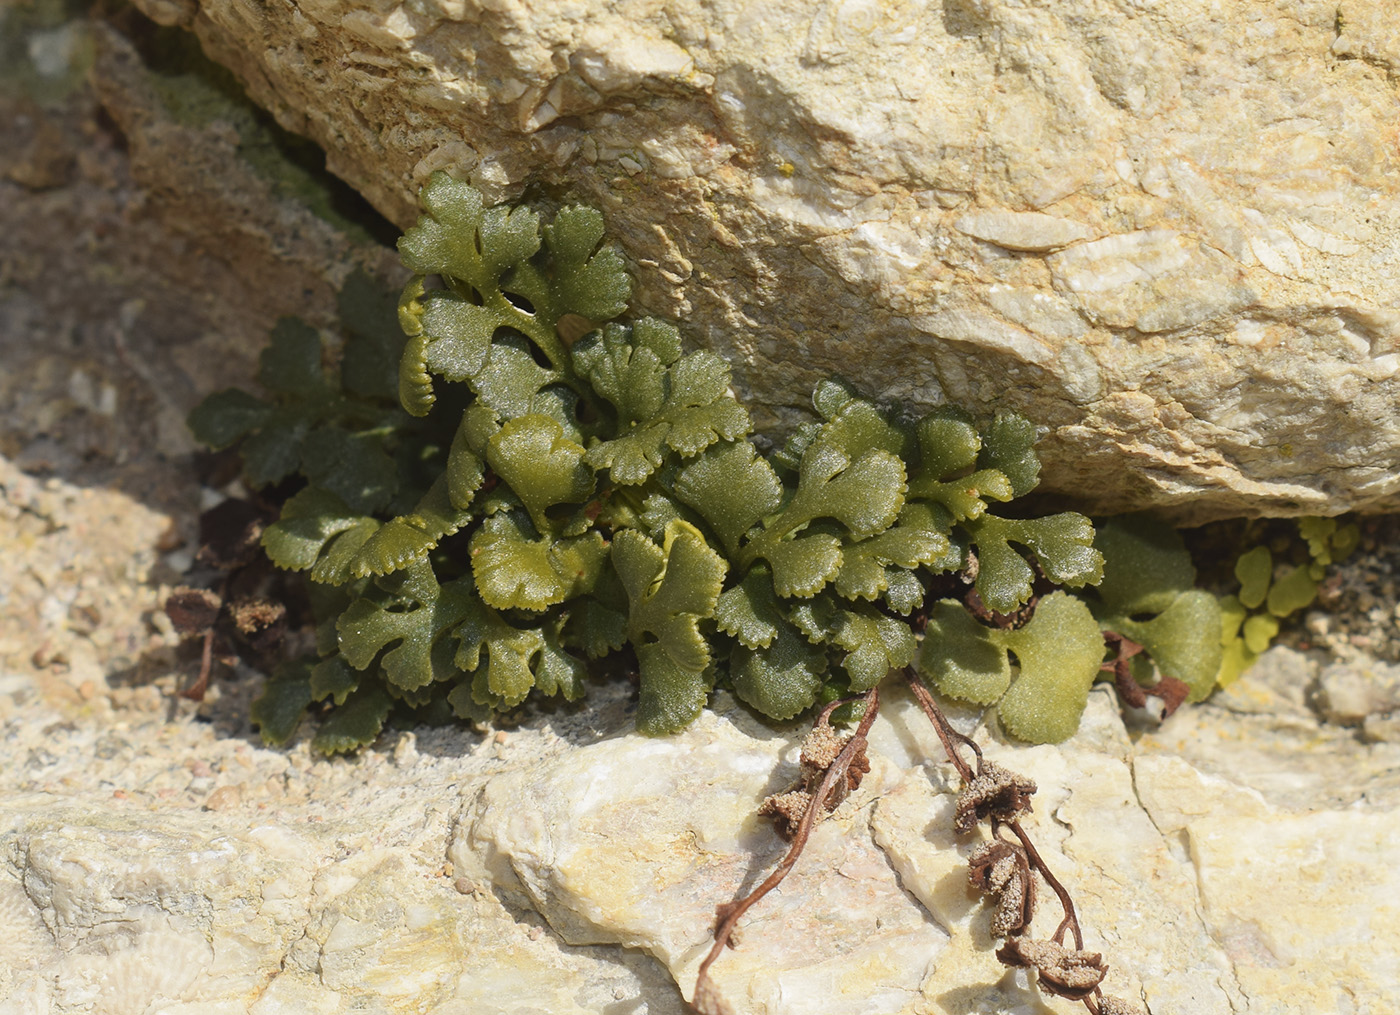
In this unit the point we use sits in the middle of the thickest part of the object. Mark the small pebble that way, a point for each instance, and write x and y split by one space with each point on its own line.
224 798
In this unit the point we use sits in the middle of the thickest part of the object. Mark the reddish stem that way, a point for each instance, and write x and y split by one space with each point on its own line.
943 728
1071 921
947 734
731 914
195 692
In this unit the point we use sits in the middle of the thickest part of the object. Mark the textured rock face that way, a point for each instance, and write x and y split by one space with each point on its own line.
1241 859
154 857
1168 234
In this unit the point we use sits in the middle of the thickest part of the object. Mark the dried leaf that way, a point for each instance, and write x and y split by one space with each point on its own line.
994 793
1066 973
192 611
1002 869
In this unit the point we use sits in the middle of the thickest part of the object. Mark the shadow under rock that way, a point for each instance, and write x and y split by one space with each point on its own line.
225 706
1010 993
133 284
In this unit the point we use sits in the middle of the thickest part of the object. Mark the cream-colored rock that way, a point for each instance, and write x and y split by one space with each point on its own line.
537 869
1257 733
1350 693
839 937
1029 231
1332 873
1169 239
330 894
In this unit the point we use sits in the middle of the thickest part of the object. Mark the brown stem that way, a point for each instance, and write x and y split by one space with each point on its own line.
195 692
947 734
943 728
837 771
1130 692
1071 921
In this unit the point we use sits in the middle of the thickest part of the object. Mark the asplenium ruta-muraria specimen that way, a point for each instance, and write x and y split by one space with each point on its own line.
542 483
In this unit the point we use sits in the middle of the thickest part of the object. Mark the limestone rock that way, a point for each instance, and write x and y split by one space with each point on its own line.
1350 693
1168 239
840 937
150 861
155 857
1344 886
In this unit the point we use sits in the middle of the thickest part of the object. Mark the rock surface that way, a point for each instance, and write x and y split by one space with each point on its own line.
150 861
155 858
1169 237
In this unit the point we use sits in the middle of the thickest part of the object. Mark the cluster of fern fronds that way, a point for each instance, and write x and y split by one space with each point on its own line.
517 483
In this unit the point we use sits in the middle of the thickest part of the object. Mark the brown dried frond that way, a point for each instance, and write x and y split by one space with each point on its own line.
786 810
1169 690
261 622
251 615
859 769
820 748
192 611
996 793
1110 1005
1173 693
1064 972
819 753
1002 869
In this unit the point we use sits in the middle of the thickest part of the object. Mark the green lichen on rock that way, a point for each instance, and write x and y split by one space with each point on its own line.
520 483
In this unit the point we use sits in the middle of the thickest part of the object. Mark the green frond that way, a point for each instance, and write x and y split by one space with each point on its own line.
557 483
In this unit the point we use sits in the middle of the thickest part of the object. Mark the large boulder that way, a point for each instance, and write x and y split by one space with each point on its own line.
1168 237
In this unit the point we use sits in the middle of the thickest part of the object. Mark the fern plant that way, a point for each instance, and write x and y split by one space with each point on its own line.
521 482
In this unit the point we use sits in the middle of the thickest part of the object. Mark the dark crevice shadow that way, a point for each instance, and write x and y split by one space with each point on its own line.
113 303
196 91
